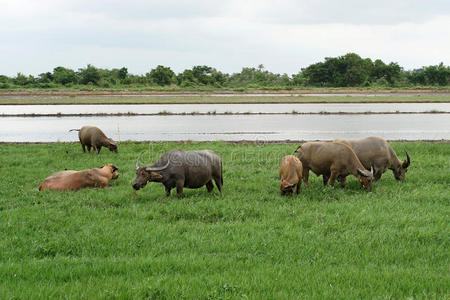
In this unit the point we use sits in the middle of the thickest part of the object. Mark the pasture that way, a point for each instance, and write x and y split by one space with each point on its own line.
249 242
208 99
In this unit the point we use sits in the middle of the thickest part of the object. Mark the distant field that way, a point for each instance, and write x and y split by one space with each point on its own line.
251 243
214 99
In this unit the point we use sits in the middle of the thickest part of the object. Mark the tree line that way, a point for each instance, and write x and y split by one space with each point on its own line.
349 70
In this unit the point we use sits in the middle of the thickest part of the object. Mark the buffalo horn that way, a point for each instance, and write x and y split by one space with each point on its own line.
365 173
154 169
407 162
137 164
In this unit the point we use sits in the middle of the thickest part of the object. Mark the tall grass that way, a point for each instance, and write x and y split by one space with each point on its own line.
327 242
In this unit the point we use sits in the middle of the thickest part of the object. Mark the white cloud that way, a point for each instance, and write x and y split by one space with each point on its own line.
283 35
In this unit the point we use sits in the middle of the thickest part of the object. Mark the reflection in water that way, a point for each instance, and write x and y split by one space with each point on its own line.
231 127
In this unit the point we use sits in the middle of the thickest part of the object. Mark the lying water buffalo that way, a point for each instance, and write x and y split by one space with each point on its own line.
290 174
376 152
178 168
75 180
91 136
332 160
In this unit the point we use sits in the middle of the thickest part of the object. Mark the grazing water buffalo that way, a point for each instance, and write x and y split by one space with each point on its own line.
332 160
178 168
74 180
376 152
290 174
91 136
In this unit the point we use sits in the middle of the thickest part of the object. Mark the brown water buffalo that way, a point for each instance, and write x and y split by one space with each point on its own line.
290 174
332 160
178 168
75 180
376 152
91 136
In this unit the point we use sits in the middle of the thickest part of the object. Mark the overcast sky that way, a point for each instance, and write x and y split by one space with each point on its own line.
283 35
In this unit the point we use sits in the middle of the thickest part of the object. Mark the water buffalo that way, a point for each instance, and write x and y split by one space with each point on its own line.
91 136
75 180
178 168
290 174
376 152
332 160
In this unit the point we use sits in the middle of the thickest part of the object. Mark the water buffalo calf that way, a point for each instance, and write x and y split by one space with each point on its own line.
75 180
290 174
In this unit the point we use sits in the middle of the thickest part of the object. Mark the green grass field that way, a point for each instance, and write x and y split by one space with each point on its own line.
41 99
391 243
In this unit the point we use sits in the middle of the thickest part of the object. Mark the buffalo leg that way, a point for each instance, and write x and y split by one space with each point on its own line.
305 176
342 180
333 178
84 149
168 189
209 186
377 176
218 182
89 148
180 184
98 149
325 179
298 187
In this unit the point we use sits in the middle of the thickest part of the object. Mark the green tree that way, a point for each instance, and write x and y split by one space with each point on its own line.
186 79
380 71
162 75
64 76
4 79
437 75
89 75
203 74
347 70
23 80
123 72
46 77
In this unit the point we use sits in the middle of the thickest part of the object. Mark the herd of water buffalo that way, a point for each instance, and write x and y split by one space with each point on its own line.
366 159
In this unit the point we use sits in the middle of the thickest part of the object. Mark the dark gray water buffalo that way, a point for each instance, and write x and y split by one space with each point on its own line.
376 152
178 168
91 136
332 160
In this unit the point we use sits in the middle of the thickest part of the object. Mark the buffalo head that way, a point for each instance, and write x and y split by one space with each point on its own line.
366 178
145 175
401 169
112 146
286 187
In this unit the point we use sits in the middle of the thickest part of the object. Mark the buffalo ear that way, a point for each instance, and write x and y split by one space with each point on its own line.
101 167
114 168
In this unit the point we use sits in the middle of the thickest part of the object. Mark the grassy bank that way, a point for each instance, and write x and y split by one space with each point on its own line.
249 243
203 99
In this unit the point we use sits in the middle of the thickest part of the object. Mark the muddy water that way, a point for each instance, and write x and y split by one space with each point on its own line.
231 127
224 108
